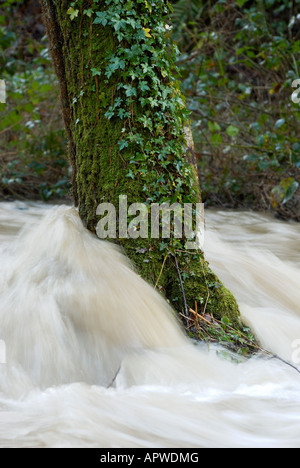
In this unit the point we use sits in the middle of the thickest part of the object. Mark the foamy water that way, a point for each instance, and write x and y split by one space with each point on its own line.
96 358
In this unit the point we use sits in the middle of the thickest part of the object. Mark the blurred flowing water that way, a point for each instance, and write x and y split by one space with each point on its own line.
94 357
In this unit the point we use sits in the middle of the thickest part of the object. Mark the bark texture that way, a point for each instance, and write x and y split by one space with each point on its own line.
100 169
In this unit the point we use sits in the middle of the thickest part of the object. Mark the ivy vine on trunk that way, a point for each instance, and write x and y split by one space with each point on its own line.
126 122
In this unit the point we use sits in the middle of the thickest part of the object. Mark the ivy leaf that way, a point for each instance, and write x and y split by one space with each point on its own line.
261 140
123 144
130 174
110 113
96 72
147 69
118 102
122 114
101 18
147 122
144 86
232 131
214 127
149 7
130 91
153 102
118 23
279 123
284 192
147 32
166 92
73 13
291 190
132 22
88 12
116 63
144 101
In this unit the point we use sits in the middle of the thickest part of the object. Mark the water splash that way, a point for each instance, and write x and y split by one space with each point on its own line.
76 320
261 265
71 306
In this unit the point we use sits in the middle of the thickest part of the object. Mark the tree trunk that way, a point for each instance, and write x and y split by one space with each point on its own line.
125 119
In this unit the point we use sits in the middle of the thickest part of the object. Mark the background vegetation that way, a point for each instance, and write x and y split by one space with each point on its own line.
32 139
237 60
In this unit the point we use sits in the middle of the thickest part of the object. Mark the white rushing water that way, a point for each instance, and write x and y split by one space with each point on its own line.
95 358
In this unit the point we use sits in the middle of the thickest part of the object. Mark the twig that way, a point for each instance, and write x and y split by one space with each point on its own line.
196 310
188 319
274 356
207 288
198 316
162 269
114 379
186 310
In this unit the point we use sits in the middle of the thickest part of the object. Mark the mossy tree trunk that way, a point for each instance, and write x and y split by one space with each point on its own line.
125 119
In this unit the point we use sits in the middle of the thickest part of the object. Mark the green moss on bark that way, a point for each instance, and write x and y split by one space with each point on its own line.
100 169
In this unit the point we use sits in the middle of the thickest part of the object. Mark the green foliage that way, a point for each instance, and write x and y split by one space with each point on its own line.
135 88
238 61
240 341
147 99
32 138
284 192
143 106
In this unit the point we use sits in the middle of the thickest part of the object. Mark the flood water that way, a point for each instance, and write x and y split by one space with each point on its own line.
94 357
